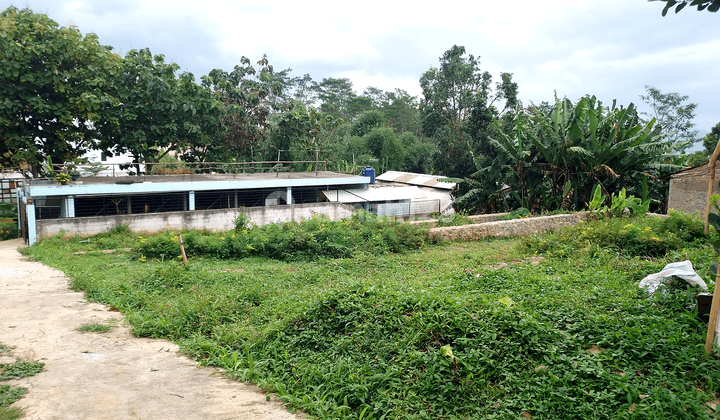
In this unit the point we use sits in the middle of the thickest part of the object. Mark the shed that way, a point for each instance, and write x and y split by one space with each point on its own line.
688 189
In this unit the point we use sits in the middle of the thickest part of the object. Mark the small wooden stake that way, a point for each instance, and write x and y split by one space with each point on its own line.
713 316
182 250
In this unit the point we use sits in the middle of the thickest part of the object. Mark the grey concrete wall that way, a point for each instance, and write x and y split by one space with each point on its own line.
215 220
507 228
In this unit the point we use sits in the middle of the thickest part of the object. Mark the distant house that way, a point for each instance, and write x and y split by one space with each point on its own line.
688 189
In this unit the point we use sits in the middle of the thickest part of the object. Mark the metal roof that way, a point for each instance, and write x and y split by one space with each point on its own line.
416 179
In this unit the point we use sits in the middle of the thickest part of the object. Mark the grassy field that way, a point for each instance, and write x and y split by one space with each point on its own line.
547 327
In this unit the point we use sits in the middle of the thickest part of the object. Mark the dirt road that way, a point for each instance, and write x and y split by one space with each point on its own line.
105 376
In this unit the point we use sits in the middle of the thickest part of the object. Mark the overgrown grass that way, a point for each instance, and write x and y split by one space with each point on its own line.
441 332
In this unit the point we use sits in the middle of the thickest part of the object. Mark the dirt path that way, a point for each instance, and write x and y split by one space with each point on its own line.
104 376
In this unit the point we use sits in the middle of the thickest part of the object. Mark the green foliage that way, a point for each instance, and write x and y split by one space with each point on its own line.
62 178
318 237
648 236
710 5
245 94
673 117
441 333
518 213
455 219
95 327
8 221
241 222
580 145
20 369
10 394
53 82
711 139
458 104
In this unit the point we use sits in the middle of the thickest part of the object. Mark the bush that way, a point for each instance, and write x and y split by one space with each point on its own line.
318 237
634 237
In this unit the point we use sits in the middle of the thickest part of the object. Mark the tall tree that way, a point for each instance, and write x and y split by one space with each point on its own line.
246 95
336 96
53 87
158 112
673 116
451 94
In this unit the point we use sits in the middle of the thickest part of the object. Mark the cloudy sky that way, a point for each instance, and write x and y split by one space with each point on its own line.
610 49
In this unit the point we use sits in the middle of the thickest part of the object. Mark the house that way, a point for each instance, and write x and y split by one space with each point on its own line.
688 189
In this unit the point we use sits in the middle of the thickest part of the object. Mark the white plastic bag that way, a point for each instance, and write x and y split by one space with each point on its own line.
682 269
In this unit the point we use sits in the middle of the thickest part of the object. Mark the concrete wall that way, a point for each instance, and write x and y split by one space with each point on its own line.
688 189
507 228
216 220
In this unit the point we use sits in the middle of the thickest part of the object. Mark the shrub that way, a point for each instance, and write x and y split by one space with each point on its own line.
633 237
318 237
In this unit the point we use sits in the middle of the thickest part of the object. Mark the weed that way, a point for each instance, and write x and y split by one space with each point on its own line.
455 219
10 394
443 332
20 369
95 327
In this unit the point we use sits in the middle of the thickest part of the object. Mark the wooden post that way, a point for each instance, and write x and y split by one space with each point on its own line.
711 181
182 249
713 316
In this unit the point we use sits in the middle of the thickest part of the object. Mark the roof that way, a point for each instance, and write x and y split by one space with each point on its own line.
416 179
378 194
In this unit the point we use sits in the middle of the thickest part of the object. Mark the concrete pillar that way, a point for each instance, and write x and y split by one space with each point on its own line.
288 198
191 200
129 205
32 229
236 200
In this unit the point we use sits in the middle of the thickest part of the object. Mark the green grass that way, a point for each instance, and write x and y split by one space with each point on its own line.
446 331
10 394
95 327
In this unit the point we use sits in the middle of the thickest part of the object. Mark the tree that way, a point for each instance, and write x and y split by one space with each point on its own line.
336 96
384 144
710 140
158 113
451 94
54 87
673 117
710 5
558 157
245 94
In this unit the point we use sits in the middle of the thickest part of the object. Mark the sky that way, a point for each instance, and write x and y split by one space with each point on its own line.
611 49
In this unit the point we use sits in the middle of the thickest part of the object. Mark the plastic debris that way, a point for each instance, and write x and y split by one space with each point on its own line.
682 269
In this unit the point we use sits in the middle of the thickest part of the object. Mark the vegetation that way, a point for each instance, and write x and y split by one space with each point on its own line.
8 221
454 330
709 5
10 394
95 327
318 237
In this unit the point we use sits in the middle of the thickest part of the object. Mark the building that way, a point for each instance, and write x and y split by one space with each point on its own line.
150 203
688 189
